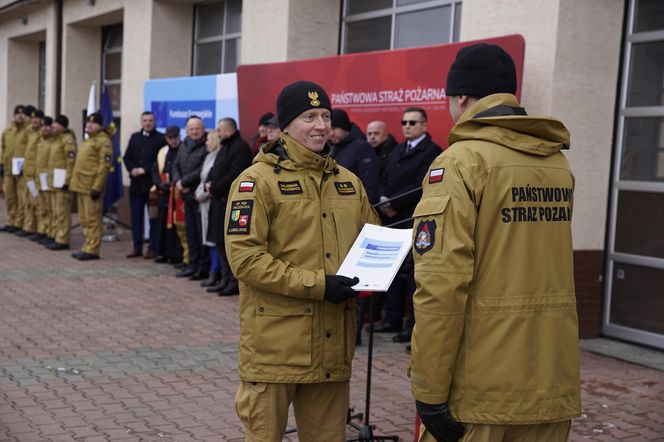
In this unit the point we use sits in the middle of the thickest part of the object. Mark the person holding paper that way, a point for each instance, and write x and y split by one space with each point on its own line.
44 210
30 175
88 179
61 159
11 136
290 220
495 348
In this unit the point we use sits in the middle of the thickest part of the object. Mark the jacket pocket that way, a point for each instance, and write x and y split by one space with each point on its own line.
283 334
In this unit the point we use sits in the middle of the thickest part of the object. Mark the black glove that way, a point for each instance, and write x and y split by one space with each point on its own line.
407 268
65 187
439 422
95 194
2 171
338 288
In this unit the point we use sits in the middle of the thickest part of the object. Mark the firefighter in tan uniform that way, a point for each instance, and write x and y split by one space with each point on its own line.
62 156
30 175
291 219
44 212
11 136
18 155
494 352
88 180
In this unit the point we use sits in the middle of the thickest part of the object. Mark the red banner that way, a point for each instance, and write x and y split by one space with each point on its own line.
369 86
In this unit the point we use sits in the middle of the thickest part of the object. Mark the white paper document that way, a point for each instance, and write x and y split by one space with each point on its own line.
17 165
376 257
43 181
59 178
32 187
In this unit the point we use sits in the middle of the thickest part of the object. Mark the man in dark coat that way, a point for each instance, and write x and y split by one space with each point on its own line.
186 174
352 151
405 169
233 158
139 158
381 140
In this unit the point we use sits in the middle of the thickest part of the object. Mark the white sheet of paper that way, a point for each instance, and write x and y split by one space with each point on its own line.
17 165
43 181
376 256
59 178
32 187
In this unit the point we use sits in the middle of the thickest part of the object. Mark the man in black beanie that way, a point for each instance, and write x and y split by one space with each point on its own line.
352 151
494 350
291 219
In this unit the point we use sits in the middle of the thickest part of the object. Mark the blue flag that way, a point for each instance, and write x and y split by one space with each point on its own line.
114 189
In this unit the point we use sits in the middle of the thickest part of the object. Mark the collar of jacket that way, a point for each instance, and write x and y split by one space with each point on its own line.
498 119
295 156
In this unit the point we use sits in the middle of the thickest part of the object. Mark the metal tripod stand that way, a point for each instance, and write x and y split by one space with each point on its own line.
365 431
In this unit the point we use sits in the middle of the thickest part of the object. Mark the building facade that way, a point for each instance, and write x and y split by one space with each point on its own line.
596 64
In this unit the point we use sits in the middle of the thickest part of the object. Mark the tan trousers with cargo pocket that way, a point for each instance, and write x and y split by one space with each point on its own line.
553 432
89 213
61 216
321 410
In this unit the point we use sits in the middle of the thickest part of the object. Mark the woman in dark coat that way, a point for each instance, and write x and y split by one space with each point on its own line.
233 157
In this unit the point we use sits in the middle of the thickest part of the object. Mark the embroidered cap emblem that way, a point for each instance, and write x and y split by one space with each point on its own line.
314 98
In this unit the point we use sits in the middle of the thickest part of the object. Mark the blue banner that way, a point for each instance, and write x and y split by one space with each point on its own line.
114 189
167 113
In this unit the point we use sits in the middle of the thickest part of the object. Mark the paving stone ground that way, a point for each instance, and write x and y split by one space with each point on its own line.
121 350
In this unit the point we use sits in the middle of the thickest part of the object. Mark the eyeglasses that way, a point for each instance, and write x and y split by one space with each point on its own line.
410 122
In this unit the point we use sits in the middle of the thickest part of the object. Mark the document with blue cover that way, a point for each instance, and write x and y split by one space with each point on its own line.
376 257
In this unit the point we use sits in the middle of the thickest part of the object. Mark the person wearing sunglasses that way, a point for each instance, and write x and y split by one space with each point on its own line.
495 353
405 168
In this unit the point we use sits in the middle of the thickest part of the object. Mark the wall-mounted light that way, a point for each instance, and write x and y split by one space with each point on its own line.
23 19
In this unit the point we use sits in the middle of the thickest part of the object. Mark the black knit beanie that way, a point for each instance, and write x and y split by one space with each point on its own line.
265 118
28 110
340 119
62 120
480 70
47 121
96 118
18 109
38 114
299 97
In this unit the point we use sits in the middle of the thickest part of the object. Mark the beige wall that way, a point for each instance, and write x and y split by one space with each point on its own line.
281 30
570 72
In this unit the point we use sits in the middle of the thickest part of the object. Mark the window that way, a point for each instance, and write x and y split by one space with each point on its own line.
111 65
372 25
217 32
42 75
635 270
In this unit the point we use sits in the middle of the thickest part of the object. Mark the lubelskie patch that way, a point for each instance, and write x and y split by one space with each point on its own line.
425 237
246 186
290 187
239 219
345 188
436 175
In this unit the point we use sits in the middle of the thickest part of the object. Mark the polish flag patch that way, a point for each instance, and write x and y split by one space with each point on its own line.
436 175
247 186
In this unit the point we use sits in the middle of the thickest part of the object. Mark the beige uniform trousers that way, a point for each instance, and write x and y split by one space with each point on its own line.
61 208
44 213
553 432
30 214
11 199
22 195
321 410
89 213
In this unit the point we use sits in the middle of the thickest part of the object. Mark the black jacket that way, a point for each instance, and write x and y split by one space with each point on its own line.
404 172
188 164
142 152
234 156
356 155
163 194
383 150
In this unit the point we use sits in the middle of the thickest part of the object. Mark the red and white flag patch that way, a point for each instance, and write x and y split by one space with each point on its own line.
247 186
436 175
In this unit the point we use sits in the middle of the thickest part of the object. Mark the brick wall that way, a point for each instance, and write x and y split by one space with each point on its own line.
588 266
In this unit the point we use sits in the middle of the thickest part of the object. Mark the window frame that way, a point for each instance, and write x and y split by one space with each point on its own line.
224 37
392 12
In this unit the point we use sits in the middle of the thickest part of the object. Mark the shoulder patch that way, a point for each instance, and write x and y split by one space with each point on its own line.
239 220
71 154
290 187
436 175
345 188
425 237
246 186
107 158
